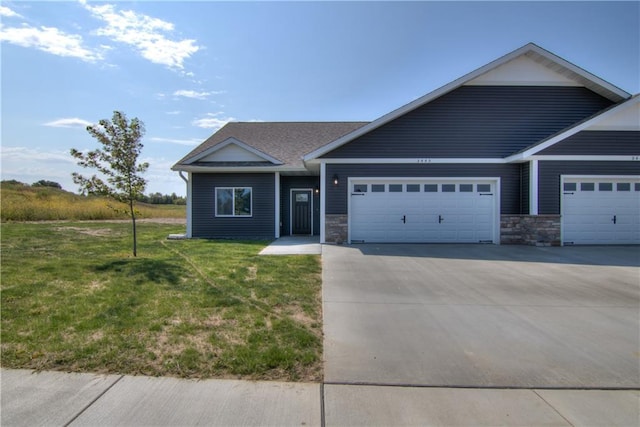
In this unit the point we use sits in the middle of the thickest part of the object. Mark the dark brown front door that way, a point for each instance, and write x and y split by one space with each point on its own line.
301 212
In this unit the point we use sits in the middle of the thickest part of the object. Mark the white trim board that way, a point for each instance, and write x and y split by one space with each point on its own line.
232 141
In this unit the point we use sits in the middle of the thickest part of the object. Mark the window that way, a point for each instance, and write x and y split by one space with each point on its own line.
431 188
466 188
624 186
587 186
395 188
636 186
570 186
605 186
484 188
233 201
413 188
360 188
377 188
448 188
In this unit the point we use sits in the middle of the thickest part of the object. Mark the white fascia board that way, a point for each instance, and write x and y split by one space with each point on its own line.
525 155
587 158
232 140
421 161
277 204
238 169
530 47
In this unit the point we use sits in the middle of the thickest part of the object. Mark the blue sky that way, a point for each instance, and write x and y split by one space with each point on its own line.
186 68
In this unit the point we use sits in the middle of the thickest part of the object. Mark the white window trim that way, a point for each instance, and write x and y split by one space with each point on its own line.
310 191
277 204
233 208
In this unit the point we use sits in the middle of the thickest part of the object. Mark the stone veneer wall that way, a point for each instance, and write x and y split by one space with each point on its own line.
335 228
534 230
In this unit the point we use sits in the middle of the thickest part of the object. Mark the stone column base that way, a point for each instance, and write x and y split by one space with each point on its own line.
534 230
336 229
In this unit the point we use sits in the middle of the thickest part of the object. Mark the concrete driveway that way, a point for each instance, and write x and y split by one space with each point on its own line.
482 316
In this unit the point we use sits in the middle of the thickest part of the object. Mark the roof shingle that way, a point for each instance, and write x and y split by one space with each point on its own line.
286 141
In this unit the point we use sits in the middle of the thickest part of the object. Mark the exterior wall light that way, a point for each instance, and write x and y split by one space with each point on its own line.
335 180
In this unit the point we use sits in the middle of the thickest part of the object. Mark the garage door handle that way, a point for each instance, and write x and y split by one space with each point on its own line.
404 219
440 219
614 219
357 194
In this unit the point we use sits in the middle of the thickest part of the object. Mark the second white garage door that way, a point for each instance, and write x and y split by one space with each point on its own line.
600 210
423 210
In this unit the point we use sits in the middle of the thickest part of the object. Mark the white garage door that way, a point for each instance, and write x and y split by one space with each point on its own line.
597 210
429 211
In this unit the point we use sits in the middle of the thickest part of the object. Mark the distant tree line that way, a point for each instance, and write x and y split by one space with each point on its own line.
152 198
162 199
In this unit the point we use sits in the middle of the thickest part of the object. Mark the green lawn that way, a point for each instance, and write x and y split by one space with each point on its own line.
74 299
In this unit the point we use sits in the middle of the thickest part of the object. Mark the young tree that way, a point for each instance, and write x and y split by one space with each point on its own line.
116 161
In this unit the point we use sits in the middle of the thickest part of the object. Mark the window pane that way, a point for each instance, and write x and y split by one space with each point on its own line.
243 201
448 188
637 186
605 186
377 188
360 188
413 188
395 188
484 188
466 188
587 186
570 186
224 201
431 188
624 186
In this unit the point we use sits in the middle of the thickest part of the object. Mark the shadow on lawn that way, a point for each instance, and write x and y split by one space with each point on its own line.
141 270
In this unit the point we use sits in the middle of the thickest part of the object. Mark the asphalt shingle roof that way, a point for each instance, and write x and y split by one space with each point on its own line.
285 141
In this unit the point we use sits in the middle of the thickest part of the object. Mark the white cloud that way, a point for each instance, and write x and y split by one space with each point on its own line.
147 34
8 13
50 40
72 122
192 94
190 142
212 121
24 154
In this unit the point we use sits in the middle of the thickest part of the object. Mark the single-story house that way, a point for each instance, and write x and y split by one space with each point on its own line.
528 149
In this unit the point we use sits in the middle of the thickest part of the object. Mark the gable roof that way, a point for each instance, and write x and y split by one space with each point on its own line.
531 51
281 143
580 126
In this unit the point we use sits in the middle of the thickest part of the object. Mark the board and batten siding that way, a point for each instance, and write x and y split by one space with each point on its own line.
524 187
549 173
261 225
477 122
597 143
286 184
336 195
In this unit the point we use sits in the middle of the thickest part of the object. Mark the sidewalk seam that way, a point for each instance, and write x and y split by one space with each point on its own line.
322 419
75 417
553 407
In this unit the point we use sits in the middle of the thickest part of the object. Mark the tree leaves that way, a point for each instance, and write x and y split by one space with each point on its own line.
116 162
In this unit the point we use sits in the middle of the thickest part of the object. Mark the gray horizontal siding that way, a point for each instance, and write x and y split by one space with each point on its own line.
336 195
598 143
476 122
259 226
549 178
286 184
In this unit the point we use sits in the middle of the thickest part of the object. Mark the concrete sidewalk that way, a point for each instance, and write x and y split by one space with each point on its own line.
54 398
294 245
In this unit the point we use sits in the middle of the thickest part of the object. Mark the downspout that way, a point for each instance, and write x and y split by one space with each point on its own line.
189 203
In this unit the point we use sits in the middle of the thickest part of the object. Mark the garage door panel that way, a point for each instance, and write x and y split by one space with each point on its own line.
601 210
421 211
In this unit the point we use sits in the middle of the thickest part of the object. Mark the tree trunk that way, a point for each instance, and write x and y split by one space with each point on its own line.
133 222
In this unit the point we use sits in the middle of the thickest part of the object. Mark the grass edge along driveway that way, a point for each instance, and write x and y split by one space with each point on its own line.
72 299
